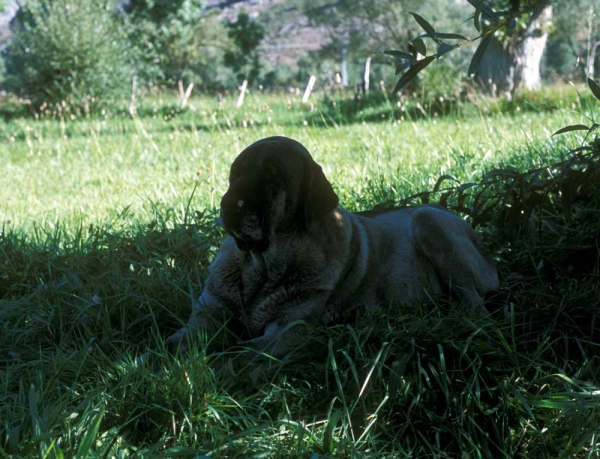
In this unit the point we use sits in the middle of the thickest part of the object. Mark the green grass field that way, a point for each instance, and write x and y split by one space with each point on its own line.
108 225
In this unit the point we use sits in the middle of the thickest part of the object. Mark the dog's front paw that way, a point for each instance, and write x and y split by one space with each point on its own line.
178 341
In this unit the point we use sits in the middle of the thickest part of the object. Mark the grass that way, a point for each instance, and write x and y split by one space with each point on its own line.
109 224
110 165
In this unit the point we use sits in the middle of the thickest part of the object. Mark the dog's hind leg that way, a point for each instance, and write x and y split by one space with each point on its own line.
456 254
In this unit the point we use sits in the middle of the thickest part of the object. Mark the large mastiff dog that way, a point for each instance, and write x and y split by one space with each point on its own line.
294 254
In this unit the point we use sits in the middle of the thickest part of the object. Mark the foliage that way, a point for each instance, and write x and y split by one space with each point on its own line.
486 21
575 31
555 202
246 35
174 41
363 28
67 51
157 11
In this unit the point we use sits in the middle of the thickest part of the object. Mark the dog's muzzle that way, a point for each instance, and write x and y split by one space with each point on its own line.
243 224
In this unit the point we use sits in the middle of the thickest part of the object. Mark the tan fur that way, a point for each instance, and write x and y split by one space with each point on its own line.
311 259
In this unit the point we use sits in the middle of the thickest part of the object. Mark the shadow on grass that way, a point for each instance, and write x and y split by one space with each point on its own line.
102 283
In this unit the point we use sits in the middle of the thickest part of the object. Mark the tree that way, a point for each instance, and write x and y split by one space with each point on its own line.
67 50
246 35
360 28
574 43
174 39
513 59
488 23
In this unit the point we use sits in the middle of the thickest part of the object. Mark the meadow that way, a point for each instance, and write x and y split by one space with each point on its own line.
108 224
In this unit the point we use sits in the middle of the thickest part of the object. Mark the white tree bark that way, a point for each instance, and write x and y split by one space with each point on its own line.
529 51
366 75
515 62
344 66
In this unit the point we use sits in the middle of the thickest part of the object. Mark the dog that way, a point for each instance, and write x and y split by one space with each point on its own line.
293 254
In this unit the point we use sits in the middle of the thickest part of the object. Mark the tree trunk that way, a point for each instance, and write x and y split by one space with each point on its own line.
514 63
366 76
591 60
344 66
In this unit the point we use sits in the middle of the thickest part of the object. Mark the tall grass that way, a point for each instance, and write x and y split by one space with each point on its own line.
109 224
109 165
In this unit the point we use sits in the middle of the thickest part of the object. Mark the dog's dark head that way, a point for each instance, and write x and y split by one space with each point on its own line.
274 187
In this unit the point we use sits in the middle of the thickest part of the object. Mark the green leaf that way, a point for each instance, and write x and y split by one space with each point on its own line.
35 417
402 67
573 127
476 20
419 46
413 72
595 87
500 173
399 54
328 442
444 48
450 36
89 438
426 26
521 399
440 180
479 54
486 10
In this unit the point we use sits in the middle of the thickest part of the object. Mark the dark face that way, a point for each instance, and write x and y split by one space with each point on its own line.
245 205
274 187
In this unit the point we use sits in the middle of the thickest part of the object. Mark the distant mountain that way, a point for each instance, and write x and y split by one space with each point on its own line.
6 15
289 36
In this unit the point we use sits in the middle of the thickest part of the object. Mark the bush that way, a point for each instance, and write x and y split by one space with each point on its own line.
175 40
246 35
67 50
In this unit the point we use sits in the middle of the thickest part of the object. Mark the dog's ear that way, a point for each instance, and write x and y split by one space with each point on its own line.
319 199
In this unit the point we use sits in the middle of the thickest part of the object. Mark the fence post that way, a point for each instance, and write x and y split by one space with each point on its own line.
367 75
344 66
186 95
132 109
309 88
240 99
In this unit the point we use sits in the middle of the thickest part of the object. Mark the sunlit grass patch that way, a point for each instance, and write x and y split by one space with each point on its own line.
93 170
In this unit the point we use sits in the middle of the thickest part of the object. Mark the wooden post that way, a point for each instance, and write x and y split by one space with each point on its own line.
309 88
344 66
366 75
240 99
589 69
132 109
186 96
180 87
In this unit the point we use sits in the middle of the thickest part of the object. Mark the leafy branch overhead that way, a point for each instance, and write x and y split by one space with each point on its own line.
486 21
